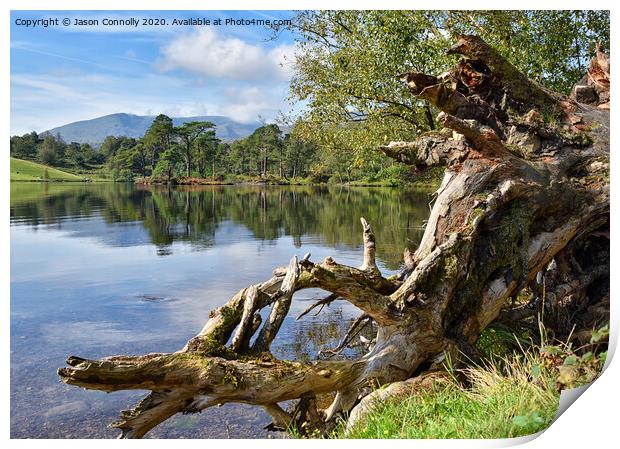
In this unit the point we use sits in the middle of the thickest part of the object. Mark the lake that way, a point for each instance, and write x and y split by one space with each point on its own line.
106 269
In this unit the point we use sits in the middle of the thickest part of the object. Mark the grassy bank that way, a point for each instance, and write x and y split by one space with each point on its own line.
22 170
26 170
492 406
515 396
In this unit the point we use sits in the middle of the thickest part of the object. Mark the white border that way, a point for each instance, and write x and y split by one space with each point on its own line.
589 423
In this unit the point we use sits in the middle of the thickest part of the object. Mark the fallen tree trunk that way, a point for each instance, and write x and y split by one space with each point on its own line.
525 195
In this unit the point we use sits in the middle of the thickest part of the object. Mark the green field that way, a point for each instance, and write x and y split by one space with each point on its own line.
31 171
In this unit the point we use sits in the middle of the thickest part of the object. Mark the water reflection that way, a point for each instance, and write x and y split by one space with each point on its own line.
106 269
325 215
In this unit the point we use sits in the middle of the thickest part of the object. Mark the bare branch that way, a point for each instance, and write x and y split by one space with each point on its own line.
356 327
323 302
369 263
243 334
280 309
428 150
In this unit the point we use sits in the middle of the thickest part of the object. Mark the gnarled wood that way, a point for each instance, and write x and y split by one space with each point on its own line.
368 236
279 309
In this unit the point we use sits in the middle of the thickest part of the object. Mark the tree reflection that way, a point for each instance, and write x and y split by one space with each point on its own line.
302 340
327 214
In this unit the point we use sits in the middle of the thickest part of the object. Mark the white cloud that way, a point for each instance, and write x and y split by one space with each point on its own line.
44 101
35 85
235 78
245 104
207 53
41 102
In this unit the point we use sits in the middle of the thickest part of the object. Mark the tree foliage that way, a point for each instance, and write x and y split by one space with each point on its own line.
347 66
158 137
166 153
187 135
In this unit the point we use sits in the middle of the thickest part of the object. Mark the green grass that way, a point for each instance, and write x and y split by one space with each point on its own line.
22 170
511 396
94 172
494 406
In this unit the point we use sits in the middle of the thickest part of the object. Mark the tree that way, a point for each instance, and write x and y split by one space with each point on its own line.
267 142
158 137
338 157
25 147
525 196
347 63
79 155
110 149
74 154
50 151
187 135
223 156
120 157
61 149
167 162
244 157
139 158
97 157
297 156
206 152
110 146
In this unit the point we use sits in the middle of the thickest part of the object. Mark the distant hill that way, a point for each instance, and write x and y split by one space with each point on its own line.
94 131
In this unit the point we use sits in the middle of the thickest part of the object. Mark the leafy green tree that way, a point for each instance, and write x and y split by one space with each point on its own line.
80 155
61 149
119 153
158 137
298 156
242 155
134 158
47 154
206 152
25 147
267 141
347 65
187 135
139 158
88 152
74 154
223 157
168 161
50 151
266 151
112 145
97 157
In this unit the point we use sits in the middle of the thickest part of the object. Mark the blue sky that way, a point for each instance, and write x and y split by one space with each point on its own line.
62 74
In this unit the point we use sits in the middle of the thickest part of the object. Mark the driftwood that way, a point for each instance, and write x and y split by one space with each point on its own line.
525 195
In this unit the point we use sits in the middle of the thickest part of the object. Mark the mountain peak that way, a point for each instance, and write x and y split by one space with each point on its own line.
94 131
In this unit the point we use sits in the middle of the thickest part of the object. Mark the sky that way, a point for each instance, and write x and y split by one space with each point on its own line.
61 74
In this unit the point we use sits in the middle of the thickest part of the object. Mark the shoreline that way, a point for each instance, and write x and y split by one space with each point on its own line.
406 185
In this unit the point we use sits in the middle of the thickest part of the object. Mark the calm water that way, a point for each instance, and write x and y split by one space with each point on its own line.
106 269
